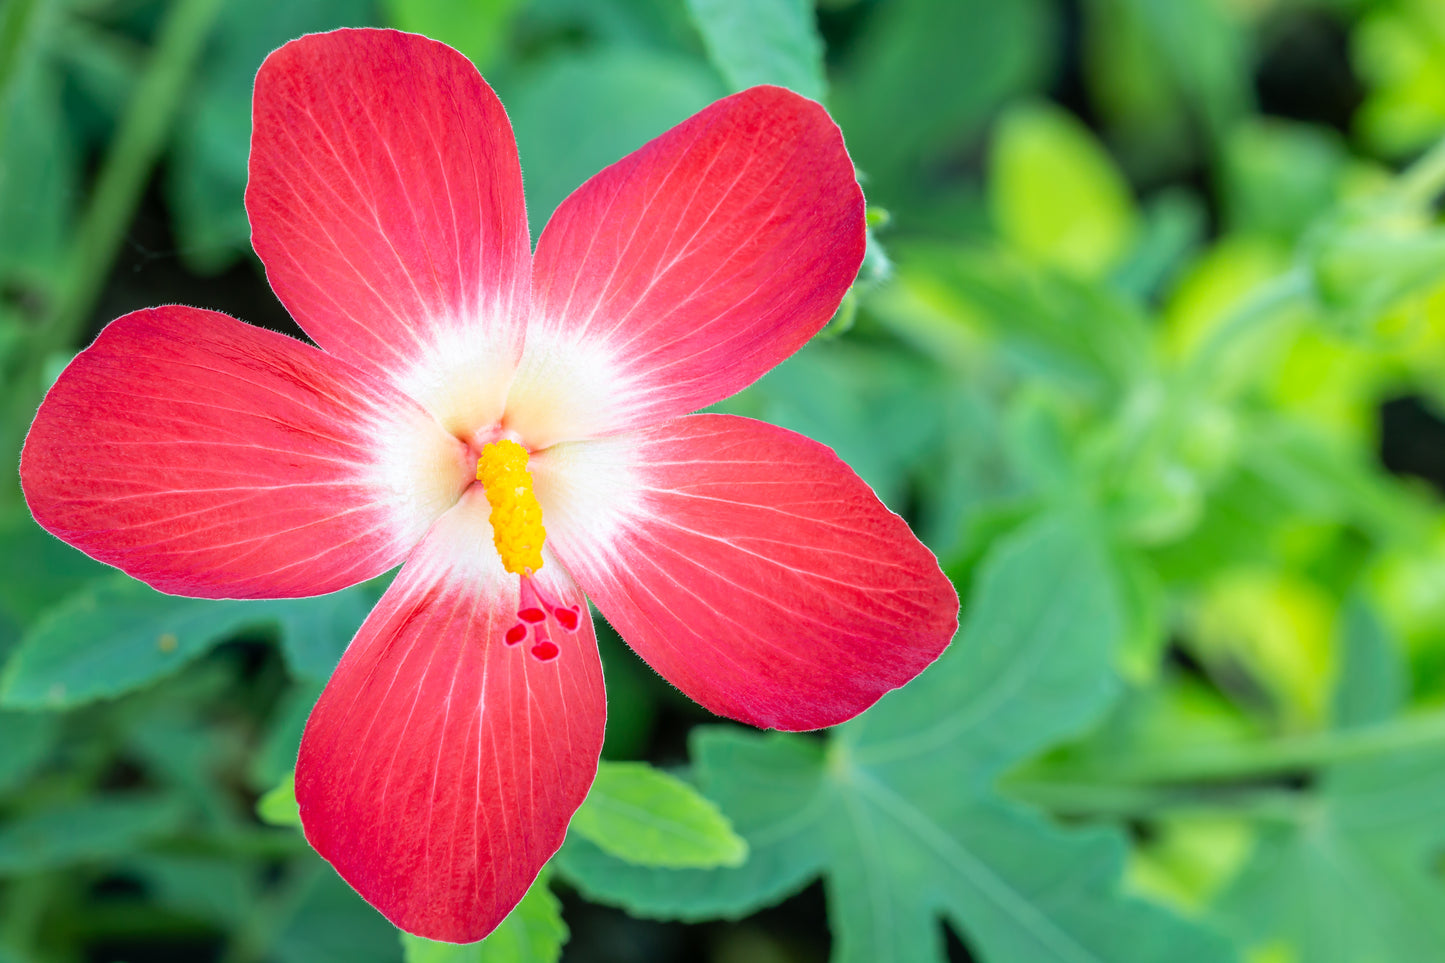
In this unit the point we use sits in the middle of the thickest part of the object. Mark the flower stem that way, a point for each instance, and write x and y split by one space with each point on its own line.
138 143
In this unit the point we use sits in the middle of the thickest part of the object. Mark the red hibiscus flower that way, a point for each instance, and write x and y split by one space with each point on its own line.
512 428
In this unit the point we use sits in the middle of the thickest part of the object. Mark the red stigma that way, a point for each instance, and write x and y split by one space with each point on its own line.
537 614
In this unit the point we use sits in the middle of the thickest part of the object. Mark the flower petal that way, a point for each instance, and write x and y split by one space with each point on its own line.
749 566
680 274
441 766
214 459
386 202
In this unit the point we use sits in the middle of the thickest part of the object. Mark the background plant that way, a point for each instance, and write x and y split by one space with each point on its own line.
1148 347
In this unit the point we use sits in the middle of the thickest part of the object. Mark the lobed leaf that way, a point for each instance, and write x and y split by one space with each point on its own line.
898 813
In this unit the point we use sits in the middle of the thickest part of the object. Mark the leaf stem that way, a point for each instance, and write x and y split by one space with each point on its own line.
1266 302
1291 754
16 19
1421 182
1083 799
133 152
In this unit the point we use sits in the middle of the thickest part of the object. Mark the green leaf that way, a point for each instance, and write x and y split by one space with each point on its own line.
331 922
773 789
532 933
1172 229
645 816
26 738
113 636
1278 177
1160 70
207 172
91 831
1353 877
478 28
39 166
922 80
275 756
117 634
1073 335
897 810
38 570
576 114
881 410
763 42
1057 195
216 888
316 631
278 806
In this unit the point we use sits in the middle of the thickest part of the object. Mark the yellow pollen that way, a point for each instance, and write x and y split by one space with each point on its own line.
516 515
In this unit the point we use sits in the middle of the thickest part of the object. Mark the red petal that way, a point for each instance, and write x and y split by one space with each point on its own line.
441 766
749 566
386 202
689 268
214 459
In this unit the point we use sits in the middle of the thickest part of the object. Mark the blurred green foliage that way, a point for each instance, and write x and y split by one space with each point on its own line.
1141 311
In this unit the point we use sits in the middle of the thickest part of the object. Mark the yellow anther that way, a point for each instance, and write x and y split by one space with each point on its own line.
516 515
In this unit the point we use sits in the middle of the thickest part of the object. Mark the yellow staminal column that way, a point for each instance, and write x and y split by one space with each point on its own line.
516 514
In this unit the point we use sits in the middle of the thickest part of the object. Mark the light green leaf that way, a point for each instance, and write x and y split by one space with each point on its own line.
763 42
576 114
113 636
1057 195
532 933
278 806
478 28
649 818
90 831
897 812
